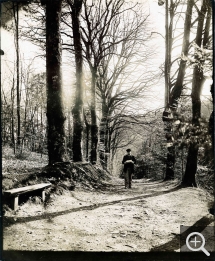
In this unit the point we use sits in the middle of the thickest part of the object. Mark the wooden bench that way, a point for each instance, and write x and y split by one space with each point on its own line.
14 193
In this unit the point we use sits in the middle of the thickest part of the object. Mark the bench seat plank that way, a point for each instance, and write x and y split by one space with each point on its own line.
22 190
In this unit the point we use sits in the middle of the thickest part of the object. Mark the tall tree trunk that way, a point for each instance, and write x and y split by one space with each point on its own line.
167 123
102 130
41 131
17 76
176 92
191 166
87 137
55 113
107 146
69 142
77 110
94 126
207 24
16 21
12 118
177 89
211 120
167 54
197 84
205 41
3 117
103 141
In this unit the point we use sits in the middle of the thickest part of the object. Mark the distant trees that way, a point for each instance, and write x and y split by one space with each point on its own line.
12 10
151 158
144 134
32 113
23 105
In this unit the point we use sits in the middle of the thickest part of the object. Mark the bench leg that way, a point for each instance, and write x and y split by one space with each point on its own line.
15 203
43 195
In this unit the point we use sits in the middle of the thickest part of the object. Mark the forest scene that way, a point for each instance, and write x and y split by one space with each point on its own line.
88 89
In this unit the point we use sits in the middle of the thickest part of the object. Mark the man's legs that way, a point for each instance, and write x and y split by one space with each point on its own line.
130 179
126 173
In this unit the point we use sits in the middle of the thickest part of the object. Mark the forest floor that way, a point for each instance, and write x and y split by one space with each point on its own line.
144 218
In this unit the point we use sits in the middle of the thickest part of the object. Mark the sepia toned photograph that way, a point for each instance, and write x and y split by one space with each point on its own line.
107 127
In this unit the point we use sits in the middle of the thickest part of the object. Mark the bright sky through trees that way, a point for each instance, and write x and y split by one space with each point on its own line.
31 54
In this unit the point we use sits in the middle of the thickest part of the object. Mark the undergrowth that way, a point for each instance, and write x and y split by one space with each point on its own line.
62 176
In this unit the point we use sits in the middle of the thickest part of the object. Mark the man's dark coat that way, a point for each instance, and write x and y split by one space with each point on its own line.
130 165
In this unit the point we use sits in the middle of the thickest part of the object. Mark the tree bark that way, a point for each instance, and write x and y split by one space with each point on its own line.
177 89
16 21
167 54
167 124
55 113
207 24
17 76
94 126
211 120
12 118
87 136
198 81
69 142
77 110
191 166
104 136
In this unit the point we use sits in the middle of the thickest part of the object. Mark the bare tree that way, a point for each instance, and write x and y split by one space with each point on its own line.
55 113
77 110
16 22
197 84
176 91
101 33
119 78
33 27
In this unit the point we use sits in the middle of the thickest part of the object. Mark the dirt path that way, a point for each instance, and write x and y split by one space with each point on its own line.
141 219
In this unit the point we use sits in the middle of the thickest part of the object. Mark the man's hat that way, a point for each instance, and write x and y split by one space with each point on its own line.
128 150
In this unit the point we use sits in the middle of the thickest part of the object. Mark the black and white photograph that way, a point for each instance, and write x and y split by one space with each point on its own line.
107 127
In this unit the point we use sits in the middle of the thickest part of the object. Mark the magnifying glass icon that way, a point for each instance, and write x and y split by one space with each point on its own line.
195 241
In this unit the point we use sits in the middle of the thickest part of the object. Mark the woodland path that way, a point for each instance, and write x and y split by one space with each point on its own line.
144 218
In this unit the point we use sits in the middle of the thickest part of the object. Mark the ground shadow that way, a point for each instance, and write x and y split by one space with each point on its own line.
151 187
8 221
148 188
174 244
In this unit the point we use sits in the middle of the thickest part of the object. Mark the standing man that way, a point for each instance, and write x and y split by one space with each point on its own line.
128 161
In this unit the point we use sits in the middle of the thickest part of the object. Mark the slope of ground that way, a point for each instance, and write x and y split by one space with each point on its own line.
32 169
